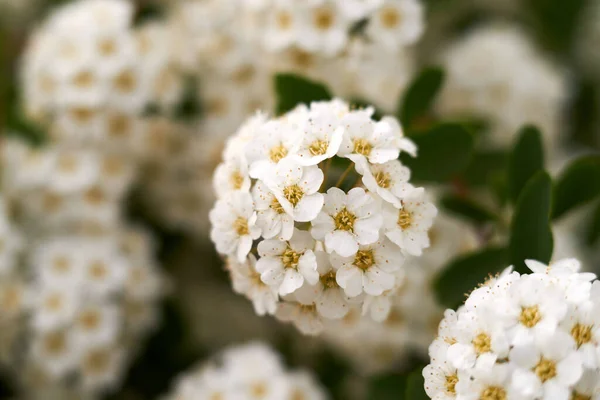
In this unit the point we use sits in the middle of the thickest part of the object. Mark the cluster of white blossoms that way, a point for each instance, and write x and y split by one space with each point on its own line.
93 86
73 307
251 371
405 321
298 245
496 73
521 337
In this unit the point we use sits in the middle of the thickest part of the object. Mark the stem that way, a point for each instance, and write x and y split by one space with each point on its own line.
325 171
344 175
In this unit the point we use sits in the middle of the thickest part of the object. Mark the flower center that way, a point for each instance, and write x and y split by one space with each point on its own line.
450 384
482 343
61 264
290 258
259 390
284 20
277 153
545 369
84 79
405 219
328 280
390 17
90 320
125 81
237 180
275 205
493 393
383 179
362 146
97 361
364 259
241 226
579 396
293 194
582 334
530 316
107 47
244 74
54 302
55 343
98 270
323 19
82 114
344 220
318 147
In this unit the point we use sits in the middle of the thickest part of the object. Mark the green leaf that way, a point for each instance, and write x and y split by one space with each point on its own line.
388 387
467 209
464 273
593 231
415 386
483 164
443 151
526 158
420 95
578 184
530 231
293 90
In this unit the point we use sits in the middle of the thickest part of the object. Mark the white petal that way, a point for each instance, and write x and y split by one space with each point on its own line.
350 279
342 242
292 280
309 207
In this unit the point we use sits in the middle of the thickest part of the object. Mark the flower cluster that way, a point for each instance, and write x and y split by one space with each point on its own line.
291 233
405 320
496 73
521 337
92 87
249 371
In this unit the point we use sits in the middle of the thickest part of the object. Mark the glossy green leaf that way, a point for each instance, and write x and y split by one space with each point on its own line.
593 231
530 231
415 386
293 90
526 158
578 184
420 95
467 209
443 151
463 274
483 164
388 387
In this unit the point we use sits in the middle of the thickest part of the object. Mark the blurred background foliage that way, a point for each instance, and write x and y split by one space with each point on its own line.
449 154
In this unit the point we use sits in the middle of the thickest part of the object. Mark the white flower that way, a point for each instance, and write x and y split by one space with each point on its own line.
283 27
234 225
358 9
286 265
297 189
101 367
275 141
408 226
388 180
323 29
54 307
55 352
246 280
347 220
370 270
230 176
330 299
321 138
272 218
96 324
368 139
397 23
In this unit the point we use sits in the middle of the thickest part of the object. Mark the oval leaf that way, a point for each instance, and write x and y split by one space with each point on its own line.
593 231
530 231
293 90
415 386
443 151
526 159
463 274
577 185
467 209
420 95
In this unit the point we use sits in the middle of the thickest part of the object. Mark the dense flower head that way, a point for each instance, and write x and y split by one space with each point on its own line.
93 86
73 308
315 213
518 336
496 73
250 371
